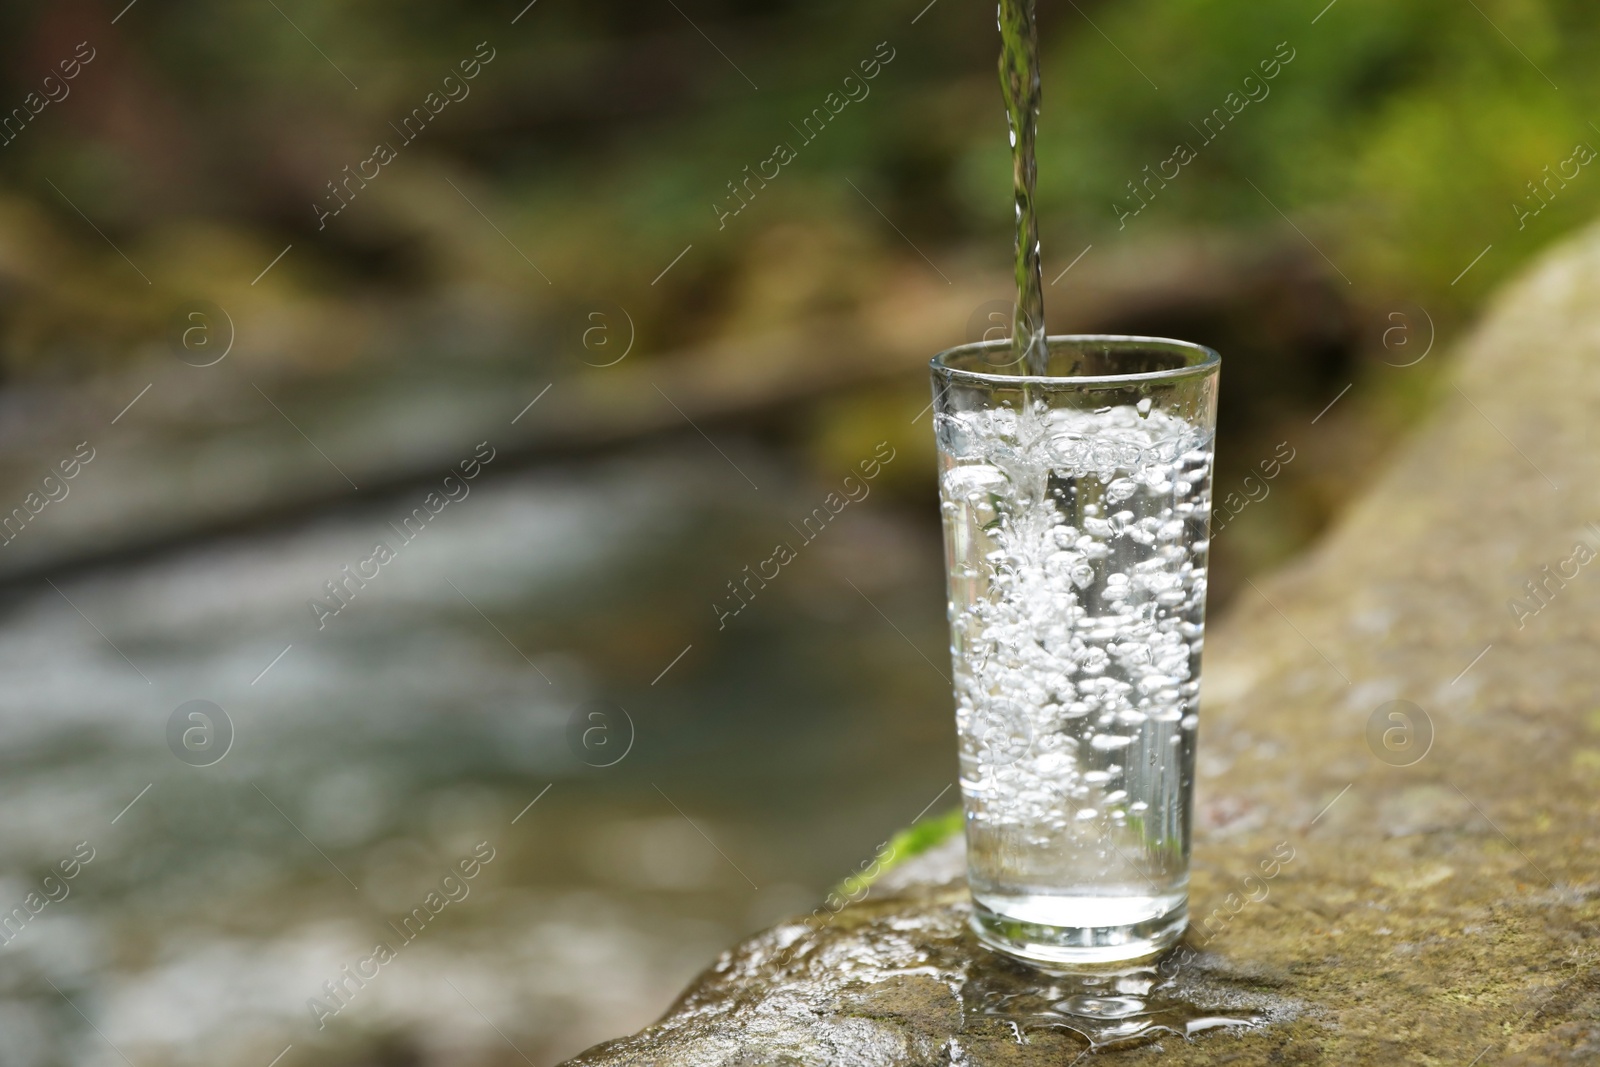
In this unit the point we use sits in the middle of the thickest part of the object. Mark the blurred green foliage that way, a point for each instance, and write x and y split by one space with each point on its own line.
1400 144
921 836
604 134
1399 137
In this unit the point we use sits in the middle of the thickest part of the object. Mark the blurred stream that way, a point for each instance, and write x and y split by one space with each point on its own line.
411 732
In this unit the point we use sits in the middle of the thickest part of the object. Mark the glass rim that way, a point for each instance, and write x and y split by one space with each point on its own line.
1208 362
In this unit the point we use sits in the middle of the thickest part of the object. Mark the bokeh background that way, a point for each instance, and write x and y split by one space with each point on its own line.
613 370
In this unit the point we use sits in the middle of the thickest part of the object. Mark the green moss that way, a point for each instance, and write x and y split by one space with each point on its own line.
912 841
922 836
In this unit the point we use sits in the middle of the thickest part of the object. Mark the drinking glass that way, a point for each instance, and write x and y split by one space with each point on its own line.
1076 510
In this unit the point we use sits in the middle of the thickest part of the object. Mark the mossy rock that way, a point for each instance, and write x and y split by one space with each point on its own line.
1443 898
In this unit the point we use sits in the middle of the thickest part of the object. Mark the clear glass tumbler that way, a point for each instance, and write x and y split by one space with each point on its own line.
1076 511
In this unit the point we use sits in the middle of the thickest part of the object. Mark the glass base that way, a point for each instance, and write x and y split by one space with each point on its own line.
1120 928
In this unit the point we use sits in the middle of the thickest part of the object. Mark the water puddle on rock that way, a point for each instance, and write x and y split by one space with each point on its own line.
1108 1007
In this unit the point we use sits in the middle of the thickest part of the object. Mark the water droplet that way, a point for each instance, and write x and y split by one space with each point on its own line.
1102 1007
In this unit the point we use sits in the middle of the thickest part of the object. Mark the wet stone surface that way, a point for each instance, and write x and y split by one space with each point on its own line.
1423 890
898 979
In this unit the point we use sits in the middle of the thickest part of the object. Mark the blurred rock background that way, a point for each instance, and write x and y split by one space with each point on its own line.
267 389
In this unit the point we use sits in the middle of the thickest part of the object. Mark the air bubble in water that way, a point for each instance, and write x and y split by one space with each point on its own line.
1076 604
